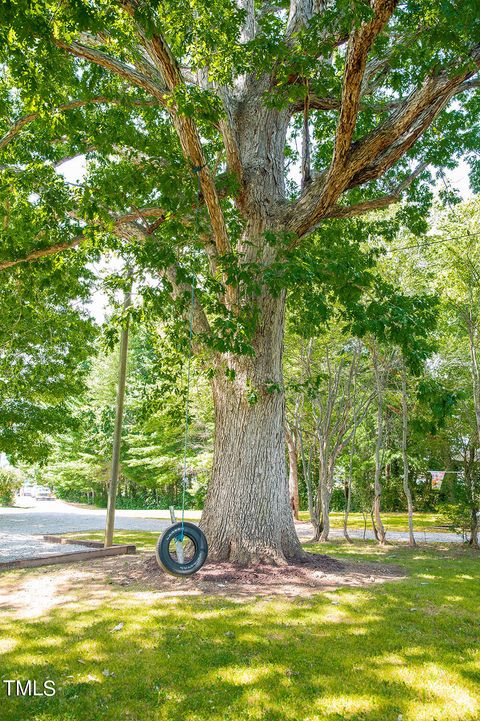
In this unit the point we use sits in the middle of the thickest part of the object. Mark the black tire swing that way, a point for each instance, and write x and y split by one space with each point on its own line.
182 549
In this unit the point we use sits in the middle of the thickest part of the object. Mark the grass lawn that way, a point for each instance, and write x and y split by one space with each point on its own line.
406 650
391 521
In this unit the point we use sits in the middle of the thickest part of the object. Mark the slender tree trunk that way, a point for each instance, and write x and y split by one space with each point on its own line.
117 436
292 472
327 489
348 484
475 372
307 474
378 527
474 528
348 505
324 496
406 486
474 502
247 517
311 503
348 492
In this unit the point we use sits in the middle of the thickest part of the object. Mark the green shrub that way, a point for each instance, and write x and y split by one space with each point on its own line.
457 515
10 482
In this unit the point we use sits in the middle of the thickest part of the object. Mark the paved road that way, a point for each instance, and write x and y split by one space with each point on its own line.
44 517
19 526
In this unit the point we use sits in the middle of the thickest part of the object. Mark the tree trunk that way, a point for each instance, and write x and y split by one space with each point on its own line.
247 517
378 527
348 482
474 529
474 505
474 371
406 486
307 472
117 436
292 473
348 507
325 495
327 467
325 531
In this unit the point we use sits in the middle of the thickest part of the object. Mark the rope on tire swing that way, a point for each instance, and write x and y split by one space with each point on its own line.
170 549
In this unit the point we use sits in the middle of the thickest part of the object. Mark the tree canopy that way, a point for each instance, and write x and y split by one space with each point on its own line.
241 143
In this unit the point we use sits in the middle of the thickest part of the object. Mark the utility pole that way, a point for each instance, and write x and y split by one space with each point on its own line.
117 437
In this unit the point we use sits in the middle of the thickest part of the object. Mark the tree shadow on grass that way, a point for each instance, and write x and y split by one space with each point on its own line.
408 648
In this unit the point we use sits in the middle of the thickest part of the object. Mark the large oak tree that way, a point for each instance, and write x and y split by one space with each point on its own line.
160 95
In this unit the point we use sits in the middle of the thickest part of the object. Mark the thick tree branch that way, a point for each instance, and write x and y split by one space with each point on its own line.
231 148
200 320
248 27
188 135
468 85
300 14
20 123
400 130
120 220
327 103
116 66
367 206
133 231
370 157
359 45
185 126
44 252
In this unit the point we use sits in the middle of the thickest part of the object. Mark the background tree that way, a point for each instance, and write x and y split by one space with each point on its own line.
150 466
10 483
455 257
158 95
46 338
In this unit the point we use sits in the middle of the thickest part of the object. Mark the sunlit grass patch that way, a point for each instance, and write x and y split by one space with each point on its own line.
391 521
143 540
408 648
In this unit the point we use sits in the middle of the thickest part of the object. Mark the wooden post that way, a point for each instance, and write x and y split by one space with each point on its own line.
117 437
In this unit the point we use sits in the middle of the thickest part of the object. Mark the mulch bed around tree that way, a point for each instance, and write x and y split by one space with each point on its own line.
33 592
319 573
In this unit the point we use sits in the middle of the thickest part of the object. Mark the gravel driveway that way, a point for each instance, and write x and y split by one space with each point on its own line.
14 546
21 528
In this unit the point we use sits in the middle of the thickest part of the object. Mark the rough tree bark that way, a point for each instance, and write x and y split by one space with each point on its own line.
406 485
247 516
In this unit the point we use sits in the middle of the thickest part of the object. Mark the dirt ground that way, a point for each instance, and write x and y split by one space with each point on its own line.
35 591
